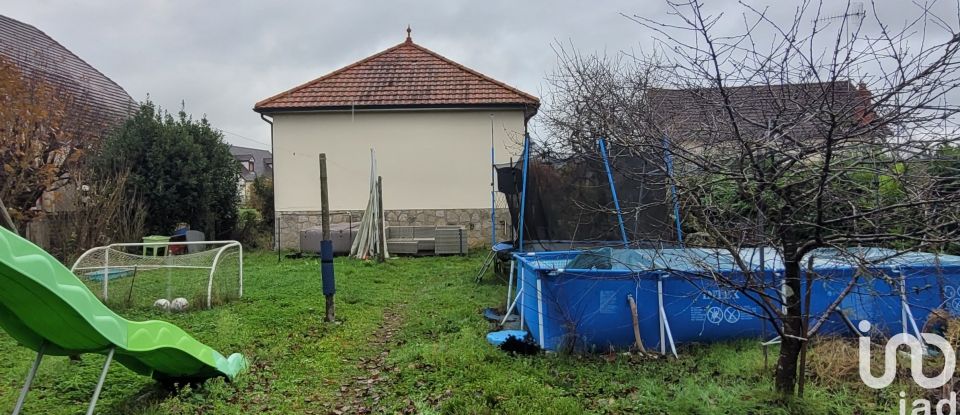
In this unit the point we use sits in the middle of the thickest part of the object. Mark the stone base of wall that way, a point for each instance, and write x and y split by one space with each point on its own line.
475 222
289 224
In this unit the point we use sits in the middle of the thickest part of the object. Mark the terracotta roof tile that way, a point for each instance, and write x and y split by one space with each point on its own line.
406 75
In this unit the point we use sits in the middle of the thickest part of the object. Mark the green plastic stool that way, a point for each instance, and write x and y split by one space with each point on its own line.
155 249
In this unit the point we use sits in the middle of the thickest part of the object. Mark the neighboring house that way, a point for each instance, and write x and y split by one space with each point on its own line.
253 163
96 103
432 123
38 55
696 119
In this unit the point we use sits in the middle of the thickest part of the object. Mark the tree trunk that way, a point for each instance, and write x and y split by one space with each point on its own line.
790 344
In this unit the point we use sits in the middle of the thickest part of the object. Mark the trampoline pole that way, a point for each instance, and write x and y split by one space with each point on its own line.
613 192
493 197
523 193
511 235
673 188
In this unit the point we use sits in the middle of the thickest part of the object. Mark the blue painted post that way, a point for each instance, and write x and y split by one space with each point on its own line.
613 191
523 193
673 188
326 267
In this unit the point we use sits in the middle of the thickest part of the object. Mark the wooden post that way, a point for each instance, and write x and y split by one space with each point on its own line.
381 239
324 203
326 258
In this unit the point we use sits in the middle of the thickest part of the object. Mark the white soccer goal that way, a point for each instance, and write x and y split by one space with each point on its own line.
213 273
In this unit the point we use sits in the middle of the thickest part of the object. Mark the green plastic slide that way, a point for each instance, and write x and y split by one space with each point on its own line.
42 302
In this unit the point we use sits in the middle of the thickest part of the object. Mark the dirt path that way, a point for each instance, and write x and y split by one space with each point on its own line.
361 394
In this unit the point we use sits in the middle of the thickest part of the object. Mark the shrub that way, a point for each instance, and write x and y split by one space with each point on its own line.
103 213
181 168
262 200
250 231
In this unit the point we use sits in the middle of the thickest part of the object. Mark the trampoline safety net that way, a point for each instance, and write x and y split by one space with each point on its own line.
569 203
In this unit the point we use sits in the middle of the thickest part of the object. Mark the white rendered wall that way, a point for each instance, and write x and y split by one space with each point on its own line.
430 159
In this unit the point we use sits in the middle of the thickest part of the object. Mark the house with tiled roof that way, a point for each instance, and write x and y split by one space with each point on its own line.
696 119
432 123
41 57
254 163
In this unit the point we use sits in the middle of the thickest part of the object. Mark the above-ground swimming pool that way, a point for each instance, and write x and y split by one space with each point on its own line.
679 299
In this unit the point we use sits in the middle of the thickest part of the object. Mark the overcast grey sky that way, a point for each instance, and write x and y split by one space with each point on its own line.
220 57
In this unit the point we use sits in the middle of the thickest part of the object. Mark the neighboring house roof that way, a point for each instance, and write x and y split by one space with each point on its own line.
801 111
261 160
38 55
404 76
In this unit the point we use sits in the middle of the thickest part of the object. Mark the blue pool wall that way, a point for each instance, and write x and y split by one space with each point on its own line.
588 309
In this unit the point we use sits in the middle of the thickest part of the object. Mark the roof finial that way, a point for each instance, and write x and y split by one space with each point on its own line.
409 40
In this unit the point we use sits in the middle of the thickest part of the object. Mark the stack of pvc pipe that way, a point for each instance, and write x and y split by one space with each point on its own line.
367 243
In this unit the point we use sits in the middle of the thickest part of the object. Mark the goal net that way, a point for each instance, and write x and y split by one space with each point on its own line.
133 275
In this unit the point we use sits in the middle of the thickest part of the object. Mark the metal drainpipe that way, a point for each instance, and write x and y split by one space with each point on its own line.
276 220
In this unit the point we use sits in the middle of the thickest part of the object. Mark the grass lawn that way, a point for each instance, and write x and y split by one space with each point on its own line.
410 339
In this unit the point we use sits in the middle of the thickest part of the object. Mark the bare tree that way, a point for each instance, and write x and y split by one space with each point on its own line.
593 96
810 134
44 133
